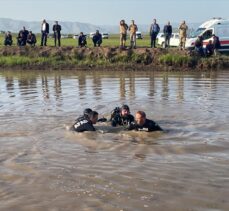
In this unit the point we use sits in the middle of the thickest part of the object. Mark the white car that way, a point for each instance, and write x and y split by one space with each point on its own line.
174 40
139 35
105 35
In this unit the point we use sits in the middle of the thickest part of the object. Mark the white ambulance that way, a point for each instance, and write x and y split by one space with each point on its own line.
217 26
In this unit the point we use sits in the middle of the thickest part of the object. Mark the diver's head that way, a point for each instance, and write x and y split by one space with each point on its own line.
125 110
140 118
93 116
87 111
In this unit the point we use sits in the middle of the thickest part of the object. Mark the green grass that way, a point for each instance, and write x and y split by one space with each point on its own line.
111 42
174 59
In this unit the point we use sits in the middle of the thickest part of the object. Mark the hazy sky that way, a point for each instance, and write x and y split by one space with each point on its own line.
109 12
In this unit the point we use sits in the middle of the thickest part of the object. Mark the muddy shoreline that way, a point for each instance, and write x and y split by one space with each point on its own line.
107 58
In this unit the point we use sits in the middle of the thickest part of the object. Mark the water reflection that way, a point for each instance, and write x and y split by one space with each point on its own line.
127 85
45 87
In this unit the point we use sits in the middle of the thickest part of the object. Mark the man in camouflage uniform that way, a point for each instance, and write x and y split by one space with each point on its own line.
133 29
183 28
123 33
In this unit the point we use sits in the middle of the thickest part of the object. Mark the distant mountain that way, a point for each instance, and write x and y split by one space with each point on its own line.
7 24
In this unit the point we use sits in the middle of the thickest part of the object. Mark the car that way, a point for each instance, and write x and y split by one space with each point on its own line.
139 35
105 35
91 34
174 40
64 36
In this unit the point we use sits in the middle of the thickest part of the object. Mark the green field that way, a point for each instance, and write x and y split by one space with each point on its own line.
113 41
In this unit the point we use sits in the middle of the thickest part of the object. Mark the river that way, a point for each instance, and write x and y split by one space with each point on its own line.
43 166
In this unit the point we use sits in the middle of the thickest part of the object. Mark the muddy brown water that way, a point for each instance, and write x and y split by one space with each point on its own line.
43 166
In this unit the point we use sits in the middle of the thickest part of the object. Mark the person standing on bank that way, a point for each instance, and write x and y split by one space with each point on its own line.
154 30
56 30
183 28
133 28
167 34
123 34
44 32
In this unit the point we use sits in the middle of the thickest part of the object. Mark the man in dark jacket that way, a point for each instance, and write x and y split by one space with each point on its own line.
25 33
56 30
97 39
209 50
8 39
44 32
85 123
154 30
122 117
31 39
143 124
167 33
216 44
82 40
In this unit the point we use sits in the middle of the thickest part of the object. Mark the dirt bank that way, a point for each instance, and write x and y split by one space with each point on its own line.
107 58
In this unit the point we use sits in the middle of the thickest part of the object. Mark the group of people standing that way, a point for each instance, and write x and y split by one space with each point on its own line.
119 117
154 31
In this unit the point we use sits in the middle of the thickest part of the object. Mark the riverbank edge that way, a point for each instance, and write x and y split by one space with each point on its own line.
107 59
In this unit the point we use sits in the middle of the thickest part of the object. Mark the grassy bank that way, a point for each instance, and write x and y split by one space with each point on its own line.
112 41
43 58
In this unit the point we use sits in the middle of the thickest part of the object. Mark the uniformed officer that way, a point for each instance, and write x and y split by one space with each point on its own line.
183 28
85 123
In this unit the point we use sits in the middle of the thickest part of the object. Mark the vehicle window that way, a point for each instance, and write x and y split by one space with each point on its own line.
172 36
208 34
197 32
177 36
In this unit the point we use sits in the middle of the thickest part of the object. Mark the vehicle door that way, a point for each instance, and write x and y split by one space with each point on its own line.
207 35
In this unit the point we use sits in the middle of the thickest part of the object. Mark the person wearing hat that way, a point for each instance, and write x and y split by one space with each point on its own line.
143 124
122 117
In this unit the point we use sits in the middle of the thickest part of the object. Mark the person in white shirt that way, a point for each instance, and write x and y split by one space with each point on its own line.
44 32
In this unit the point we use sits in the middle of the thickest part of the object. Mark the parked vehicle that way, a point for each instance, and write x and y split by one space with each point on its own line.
91 34
139 35
217 26
105 35
174 40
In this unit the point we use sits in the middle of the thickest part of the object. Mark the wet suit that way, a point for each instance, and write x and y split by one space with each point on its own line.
148 126
83 124
122 120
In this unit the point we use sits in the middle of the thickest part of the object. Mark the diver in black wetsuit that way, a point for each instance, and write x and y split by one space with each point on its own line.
85 123
143 124
121 116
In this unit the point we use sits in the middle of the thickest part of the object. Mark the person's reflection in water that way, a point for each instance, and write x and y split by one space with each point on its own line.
82 85
165 87
180 89
9 84
57 81
45 87
151 86
122 88
97 87
132 86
